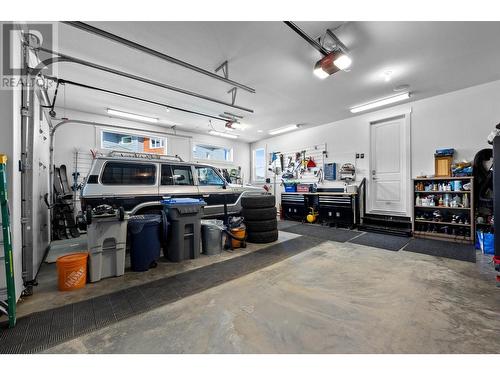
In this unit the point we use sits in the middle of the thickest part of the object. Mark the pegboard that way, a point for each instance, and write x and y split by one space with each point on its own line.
318 153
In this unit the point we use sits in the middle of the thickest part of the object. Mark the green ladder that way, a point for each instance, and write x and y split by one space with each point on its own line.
7 307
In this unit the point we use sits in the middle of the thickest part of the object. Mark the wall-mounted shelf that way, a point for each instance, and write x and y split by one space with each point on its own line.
443 192
443 208
424 225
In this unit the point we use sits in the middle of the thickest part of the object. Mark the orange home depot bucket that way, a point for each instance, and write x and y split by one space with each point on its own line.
238 233
72 271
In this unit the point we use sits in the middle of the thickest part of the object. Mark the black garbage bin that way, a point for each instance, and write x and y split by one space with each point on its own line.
184 216
145 241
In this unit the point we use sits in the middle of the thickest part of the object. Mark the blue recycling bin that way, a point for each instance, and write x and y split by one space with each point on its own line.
145 241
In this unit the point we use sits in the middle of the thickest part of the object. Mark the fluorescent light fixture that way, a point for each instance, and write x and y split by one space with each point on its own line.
132 116
221 134
319 72
343 62
284 129
380 103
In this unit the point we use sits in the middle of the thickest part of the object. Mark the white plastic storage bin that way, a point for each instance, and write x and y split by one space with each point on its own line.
106 239
106 262
105 229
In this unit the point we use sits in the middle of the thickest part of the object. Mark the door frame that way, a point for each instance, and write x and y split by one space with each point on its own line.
406 171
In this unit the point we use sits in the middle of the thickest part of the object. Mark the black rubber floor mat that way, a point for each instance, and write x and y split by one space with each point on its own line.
321 232
381 241
41 330
282 224
444 249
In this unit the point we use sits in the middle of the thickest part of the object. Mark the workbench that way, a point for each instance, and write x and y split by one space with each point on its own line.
334 208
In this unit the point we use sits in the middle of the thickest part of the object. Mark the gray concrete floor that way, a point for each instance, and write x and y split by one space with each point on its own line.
335 298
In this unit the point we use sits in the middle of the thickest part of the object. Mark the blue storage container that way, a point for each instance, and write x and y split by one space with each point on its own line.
145 241
290 188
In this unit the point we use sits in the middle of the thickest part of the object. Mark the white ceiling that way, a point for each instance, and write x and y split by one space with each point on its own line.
432 57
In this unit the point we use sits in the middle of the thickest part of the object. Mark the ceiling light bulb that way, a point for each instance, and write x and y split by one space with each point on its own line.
387 76
319 72
221 134
132 116
380 103
239 126
343 62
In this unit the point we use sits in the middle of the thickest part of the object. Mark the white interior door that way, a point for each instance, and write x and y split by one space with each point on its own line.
389 167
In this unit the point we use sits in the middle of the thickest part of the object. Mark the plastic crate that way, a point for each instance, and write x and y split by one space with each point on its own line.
303 188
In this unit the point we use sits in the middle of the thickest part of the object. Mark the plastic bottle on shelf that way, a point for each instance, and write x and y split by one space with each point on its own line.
465 201
418 200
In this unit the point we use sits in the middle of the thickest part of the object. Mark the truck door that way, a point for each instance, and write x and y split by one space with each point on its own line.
214 190
177 181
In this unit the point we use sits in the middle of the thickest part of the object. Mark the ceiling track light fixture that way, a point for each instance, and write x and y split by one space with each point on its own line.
380 102
283 129
222 134
132 116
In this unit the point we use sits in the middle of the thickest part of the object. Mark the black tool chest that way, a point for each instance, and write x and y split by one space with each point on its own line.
338 209
294 206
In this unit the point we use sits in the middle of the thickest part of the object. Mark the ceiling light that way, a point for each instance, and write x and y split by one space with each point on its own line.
332 63
387 76
380 103
260 131
283 129
343 62
132 116
221 134
239 126
319 72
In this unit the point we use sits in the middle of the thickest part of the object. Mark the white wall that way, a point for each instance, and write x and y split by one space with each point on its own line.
460 119
73 137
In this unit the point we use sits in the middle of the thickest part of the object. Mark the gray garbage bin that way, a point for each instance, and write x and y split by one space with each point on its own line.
212 236
184 216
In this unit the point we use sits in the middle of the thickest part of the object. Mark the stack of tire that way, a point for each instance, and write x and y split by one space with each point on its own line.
259 212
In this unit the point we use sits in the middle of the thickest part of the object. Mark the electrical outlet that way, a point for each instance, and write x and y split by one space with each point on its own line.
357 156
362 156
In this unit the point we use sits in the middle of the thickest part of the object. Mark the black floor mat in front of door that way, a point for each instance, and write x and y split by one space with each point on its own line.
39 331
446 249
